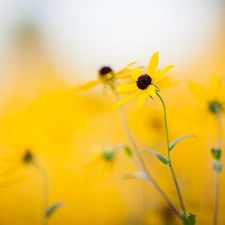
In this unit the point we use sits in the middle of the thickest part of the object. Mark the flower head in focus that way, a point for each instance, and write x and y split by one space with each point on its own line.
145 84
106 76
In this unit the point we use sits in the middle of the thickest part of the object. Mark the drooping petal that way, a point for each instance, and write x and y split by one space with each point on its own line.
198 91
153 64
142 97
158 77
151 90
87 86
214 87
135 74
120 102
127 87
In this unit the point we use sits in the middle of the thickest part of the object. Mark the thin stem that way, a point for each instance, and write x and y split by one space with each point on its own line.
216 201
217 174
44 178
140 160
169 158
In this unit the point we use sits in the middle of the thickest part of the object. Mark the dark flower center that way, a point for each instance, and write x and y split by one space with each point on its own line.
108 155
104 70
28 157
144 81
214 106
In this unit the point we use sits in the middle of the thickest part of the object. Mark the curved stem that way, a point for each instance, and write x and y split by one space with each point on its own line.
169 158
44 178
140 160
217 174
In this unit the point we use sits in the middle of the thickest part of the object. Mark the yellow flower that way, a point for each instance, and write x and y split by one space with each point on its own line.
104 159
144 84
211 101
106 76
17 159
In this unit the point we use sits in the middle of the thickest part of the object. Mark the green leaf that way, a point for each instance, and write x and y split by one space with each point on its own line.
171 146
216 152
52 208
160 157
188 218
128 151
140 175
217 166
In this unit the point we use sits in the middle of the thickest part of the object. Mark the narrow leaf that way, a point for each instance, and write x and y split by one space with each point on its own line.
188 219
216 152
217 166
178 140
160 157
128 151
140 175
52 208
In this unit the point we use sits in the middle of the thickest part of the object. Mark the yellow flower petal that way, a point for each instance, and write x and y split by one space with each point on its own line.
135 74
127 87
153 64
151 90
198 91
142 97
125 70
158 77
214 87
126 99
87 86
221 94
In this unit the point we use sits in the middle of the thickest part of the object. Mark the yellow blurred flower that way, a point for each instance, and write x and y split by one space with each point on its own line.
104 158
18 158
211 101
106 76
144 84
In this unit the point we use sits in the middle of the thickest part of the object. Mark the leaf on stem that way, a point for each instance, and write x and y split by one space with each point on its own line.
52 208
216 152
217 166
173 143
188 218
128 151
160 157
140 175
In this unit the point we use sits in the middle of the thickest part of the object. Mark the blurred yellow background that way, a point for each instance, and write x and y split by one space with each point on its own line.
49 47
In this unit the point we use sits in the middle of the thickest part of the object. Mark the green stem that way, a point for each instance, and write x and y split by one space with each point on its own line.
140 160
217 174
169 158
44 178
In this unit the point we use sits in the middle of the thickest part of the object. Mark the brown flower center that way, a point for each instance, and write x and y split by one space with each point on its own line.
143 81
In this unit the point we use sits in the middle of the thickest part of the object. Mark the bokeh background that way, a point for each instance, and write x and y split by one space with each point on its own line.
49 47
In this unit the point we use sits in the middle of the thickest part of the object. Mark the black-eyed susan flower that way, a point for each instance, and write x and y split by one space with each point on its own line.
106 76
18 158
145 84
104 158
211 101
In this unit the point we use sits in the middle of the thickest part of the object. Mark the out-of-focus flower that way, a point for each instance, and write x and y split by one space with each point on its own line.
104 158
144 84
106 76
17 159
211 101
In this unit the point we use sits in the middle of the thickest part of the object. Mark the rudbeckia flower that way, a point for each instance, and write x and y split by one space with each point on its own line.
106 76
211 101
104 158
17 159
145 84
